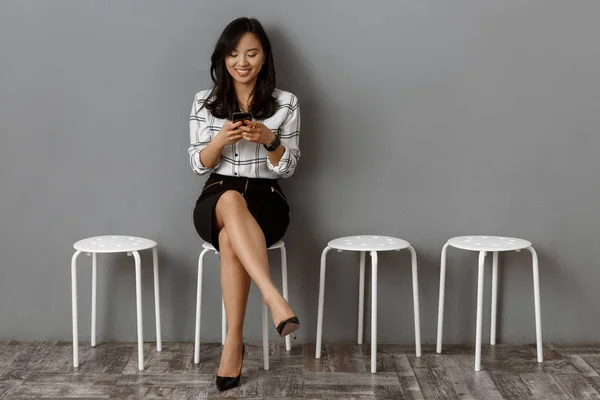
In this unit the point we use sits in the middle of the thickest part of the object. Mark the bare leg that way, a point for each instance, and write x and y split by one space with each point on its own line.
235 286
248 243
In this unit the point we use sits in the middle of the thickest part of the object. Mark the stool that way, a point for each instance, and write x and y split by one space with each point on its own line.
116 244
207 247
494 244
372 244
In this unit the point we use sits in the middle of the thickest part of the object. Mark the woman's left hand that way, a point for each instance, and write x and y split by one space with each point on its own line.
257 132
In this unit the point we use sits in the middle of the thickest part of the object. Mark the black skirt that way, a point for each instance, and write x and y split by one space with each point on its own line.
266 202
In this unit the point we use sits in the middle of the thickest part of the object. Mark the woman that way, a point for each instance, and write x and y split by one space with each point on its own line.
242 210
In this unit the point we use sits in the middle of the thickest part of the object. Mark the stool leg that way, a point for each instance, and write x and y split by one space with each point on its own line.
223 322
373 312
265 334
361 297
199 306
223 317
321 300
74 310
156 298
417 316
440 328
94 291
494 298
140 322
284 285
538 312
479 311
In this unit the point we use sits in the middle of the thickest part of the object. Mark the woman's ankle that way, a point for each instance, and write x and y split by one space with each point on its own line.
270 299
234 337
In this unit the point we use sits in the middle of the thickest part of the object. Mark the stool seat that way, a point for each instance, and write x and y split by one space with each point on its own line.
113 244
488 243
275 246
368 243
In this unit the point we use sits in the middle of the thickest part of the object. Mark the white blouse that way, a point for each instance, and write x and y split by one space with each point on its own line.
247 159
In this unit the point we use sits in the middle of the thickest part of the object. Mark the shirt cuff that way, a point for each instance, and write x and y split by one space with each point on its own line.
283 165
201 168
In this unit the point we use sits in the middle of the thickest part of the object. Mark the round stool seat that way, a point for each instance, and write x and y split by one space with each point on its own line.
368 243
113 244
277 245
488 243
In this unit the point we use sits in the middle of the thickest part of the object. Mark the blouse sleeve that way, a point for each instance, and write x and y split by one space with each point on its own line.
289 135
199 135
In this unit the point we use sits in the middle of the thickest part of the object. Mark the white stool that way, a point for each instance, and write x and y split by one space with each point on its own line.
494 244
373 244
288 344
116 244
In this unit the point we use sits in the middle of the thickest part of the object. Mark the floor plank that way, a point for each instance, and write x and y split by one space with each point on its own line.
347 383
576 349
164 386
544 387
287 382
61 385
8 354
576 386
8 386
435 383
470 385
110 358
43 370
336 358
511 386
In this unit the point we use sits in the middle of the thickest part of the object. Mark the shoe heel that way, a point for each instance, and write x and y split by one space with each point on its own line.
288 327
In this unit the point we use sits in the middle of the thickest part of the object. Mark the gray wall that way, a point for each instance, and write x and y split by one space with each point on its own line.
422 120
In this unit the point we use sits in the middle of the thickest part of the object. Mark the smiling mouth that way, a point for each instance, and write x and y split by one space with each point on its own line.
242 72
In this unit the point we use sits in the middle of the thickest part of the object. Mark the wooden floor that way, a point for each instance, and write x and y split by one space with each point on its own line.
36 370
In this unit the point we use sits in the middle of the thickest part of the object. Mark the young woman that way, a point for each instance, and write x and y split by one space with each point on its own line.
242 209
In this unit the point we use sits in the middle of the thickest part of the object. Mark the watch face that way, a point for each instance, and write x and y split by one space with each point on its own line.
274 144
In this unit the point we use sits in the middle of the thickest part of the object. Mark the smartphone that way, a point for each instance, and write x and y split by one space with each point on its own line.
241 116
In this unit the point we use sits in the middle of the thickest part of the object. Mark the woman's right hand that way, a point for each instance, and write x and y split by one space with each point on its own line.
229 134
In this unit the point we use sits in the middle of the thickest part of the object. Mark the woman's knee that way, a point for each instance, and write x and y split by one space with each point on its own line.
231 199
229 204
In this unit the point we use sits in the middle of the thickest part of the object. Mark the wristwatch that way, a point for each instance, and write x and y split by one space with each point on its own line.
274 144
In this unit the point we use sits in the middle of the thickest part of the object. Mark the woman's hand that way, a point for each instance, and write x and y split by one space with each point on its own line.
257 132
230 133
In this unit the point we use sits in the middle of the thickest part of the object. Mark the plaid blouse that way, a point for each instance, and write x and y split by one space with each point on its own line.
244 158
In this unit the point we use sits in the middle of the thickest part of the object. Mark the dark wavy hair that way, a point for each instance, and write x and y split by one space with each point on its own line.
222 101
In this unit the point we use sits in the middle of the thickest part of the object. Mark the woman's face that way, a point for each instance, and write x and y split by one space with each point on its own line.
244 63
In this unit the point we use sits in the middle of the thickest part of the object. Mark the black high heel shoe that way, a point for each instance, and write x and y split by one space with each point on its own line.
288 327
229 382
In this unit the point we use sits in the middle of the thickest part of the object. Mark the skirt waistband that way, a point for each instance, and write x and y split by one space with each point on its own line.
238 180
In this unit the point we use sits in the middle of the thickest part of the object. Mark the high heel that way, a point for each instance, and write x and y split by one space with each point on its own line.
229 382
288 327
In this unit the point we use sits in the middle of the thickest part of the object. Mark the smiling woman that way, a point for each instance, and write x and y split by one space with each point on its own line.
242 209
243 57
